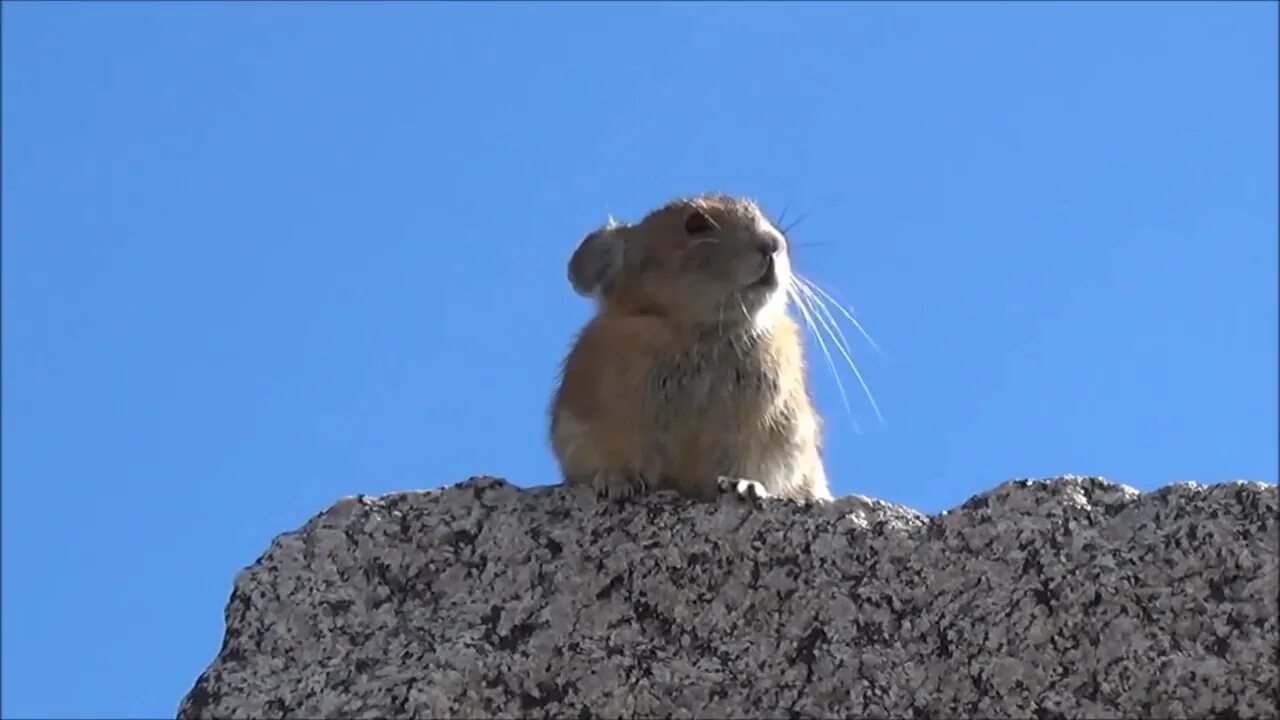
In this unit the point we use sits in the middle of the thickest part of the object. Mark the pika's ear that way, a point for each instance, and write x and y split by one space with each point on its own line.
597 261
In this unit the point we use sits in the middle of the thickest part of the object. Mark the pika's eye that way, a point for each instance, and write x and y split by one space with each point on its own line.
699 223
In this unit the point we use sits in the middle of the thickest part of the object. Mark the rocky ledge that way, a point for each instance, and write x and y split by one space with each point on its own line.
1070 597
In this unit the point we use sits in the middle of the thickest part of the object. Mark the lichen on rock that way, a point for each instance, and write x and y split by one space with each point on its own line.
1071 597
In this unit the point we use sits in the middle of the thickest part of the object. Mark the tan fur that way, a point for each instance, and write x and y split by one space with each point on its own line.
688 372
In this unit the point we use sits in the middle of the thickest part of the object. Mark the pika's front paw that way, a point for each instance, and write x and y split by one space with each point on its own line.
748 490
617 486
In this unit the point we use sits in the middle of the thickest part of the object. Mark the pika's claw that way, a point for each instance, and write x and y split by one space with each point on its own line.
748 490
617 486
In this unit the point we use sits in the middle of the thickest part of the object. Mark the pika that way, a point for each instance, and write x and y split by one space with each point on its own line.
691 375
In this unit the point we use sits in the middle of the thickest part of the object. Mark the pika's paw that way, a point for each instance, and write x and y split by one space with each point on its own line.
748 490
618 486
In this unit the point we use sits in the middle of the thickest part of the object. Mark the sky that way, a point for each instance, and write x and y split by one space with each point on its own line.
258 257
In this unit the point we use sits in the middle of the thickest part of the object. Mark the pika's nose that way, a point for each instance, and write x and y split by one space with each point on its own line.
770 245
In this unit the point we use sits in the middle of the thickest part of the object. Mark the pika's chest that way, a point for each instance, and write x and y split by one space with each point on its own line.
718 381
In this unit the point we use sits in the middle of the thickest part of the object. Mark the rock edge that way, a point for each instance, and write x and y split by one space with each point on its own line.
1070 597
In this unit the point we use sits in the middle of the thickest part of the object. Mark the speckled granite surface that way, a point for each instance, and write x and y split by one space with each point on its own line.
1073 597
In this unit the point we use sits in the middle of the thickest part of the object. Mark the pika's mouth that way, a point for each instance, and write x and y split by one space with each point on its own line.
769 278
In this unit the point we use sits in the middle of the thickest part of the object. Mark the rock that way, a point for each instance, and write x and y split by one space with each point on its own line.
1073 597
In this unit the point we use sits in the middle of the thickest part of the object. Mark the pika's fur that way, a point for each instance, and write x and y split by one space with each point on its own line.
691 376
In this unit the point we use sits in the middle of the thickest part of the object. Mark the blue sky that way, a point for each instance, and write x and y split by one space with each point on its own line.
259 256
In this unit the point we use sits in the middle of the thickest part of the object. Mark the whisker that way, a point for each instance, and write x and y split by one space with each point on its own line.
814 286
834 197
833 333
858 374
817 303
838 339
817 334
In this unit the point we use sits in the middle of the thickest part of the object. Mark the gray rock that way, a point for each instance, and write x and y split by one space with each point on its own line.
1074 597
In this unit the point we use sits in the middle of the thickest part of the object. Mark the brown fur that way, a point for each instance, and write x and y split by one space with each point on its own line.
691 370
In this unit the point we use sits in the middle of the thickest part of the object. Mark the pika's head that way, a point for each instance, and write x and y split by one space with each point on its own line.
709 259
